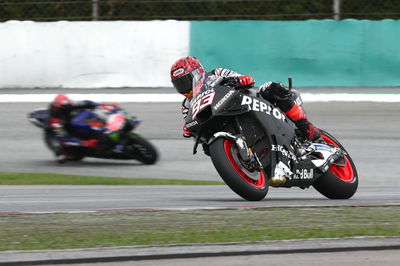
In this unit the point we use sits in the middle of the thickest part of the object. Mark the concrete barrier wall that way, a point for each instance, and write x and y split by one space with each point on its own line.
315 52
90 54
139 54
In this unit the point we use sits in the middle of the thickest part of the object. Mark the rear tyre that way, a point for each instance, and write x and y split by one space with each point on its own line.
142 150
339 182
225 157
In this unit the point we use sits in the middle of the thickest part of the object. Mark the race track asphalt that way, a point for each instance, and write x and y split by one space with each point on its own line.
368 130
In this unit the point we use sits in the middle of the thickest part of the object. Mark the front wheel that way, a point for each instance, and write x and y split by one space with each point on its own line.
142 150
250 185
341 180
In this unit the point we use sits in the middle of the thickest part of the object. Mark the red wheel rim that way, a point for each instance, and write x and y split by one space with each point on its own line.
260 183
345 172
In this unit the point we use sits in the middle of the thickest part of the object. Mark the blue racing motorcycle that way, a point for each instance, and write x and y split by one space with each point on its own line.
105 117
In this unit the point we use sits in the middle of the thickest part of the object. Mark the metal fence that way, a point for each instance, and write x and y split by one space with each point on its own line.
51 10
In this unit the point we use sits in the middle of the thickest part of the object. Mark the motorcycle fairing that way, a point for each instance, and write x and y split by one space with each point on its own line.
80 124
252 112
40 118
279 132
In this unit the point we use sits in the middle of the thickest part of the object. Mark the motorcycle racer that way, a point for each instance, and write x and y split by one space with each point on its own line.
61 111
188 76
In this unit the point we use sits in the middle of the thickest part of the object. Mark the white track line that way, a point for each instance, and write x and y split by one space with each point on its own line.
144 209
166 97
111 97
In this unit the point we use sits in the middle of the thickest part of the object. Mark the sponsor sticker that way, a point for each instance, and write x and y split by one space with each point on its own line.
220 102
304 174
259 106
201 101
191 124
284 151
178 72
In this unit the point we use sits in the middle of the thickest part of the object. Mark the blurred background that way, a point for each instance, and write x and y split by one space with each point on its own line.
53 10
109 43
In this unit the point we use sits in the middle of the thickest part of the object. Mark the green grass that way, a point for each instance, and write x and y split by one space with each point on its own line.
106 229
61 179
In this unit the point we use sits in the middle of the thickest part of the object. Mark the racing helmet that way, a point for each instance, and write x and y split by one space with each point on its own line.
61 104
62 101
187 74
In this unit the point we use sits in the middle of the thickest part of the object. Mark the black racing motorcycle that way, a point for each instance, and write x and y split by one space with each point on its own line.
104 117
254 145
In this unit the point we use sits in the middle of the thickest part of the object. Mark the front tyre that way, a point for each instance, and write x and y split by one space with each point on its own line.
340 181
250 185
142 150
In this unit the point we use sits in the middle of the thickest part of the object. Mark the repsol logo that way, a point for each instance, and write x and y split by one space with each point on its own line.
218 104
259 106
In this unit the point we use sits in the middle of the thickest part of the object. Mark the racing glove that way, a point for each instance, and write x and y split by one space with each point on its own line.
186 133
89 143
246 81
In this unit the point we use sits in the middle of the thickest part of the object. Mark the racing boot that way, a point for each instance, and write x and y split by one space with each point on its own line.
59 152
297 114
61 157
290 103
322 154
281 96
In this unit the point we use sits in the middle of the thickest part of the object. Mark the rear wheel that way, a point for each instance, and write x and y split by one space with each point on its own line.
341 180
249 184
142 150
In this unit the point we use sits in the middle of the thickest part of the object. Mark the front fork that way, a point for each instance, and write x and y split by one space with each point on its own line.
247 156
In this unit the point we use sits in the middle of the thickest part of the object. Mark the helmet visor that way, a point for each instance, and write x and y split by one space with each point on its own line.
183 84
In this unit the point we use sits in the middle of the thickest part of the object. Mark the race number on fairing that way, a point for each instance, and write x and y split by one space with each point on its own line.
204 101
